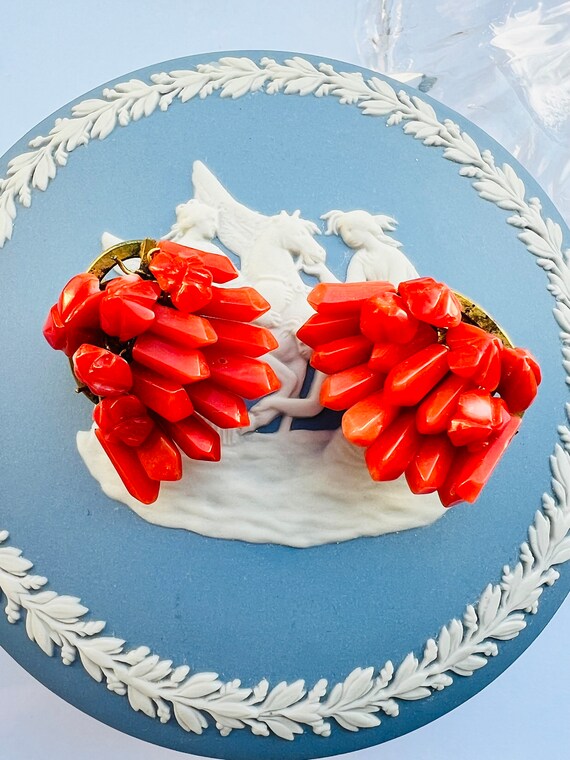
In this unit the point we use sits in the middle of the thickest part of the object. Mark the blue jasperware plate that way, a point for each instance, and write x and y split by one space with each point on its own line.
226 648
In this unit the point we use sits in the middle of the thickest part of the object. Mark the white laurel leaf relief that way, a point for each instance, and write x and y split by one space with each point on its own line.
195 701
160 691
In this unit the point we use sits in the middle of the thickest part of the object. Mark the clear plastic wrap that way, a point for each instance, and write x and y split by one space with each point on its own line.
504 64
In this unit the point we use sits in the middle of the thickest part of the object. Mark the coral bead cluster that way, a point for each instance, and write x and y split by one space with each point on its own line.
428 394
170 355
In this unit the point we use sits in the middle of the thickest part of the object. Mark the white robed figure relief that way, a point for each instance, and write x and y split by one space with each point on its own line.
376 256
295 487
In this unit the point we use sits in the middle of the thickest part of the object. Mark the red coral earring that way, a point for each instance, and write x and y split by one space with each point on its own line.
429 384
165 353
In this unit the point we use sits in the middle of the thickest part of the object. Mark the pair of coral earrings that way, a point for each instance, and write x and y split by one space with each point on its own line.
428 383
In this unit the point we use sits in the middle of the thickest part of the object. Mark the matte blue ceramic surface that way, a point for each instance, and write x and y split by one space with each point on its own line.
261 611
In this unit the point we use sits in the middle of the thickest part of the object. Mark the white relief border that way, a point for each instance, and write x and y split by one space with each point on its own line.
152 685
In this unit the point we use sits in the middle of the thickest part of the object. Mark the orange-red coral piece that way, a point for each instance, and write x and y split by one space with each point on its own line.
133 288
394 449
475 354
78 302
178 327
476 416
408 382
320 329
166 397
520 378
160 457
386 355
129 468
219 266
243 338
184 277
341 354
384 317
74 319
367 419
218 405
177 362
472 469
243 375
429 468
195 438
432 302
124 419
344 389
67 337
437 408
103 372
124 317
344 298
240 304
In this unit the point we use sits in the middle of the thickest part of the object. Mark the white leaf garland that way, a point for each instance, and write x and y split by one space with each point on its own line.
197 700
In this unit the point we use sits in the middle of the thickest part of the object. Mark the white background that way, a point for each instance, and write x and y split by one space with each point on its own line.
53 52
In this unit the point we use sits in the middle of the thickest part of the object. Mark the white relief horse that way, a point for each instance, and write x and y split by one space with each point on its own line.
273 250
377 256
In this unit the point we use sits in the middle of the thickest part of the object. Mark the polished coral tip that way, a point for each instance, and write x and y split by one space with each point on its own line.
165 396
475 354
68 337
320 329
240 304
54 330
341 354
133 288
160 457
386 355
177 362
218 405
394 449
476 417
79 300
186 280
472 469
430 466
346 388
74 319
195 438
248 377
437 408
127 306
520 378
408 382
103 372
124 419
130 470
431 301
125 319
219 266
175 326
243 338
384 317
340 299
367 419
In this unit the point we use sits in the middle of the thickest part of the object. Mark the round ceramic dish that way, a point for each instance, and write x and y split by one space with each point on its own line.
227 648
